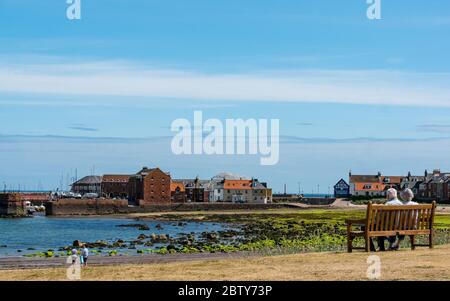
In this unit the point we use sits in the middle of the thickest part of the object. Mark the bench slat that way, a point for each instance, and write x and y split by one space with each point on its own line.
399 232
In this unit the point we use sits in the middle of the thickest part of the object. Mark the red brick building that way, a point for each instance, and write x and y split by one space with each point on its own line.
150 186
116 186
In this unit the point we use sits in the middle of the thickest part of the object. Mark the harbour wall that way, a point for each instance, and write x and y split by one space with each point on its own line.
109 206
86 207
303 200
11 204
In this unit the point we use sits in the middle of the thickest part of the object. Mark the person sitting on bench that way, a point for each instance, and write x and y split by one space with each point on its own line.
407 197
392 200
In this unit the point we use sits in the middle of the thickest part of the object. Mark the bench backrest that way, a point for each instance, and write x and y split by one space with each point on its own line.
402 217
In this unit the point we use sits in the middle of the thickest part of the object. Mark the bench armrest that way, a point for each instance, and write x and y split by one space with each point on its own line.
350 221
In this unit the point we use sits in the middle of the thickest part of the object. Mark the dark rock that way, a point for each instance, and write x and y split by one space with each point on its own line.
211 236
186 242
97 244
77 243
142 227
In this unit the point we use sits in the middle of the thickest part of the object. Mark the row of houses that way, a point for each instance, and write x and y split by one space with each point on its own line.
429 186
152 186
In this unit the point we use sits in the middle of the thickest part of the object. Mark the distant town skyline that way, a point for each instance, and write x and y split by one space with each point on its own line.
350 93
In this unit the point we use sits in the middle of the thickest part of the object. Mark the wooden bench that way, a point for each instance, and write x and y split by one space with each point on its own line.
385 220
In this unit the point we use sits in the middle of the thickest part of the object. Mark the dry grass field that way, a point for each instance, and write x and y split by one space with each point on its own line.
421 264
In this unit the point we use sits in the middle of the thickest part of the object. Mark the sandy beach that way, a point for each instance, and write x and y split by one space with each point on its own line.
421 264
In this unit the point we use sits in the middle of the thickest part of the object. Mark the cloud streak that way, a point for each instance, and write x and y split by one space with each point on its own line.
284 139
82 128
434 128
370 87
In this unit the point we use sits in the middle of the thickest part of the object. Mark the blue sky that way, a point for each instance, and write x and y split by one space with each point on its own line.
350 93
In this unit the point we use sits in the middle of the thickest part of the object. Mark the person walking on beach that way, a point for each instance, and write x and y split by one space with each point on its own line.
74 255
85 254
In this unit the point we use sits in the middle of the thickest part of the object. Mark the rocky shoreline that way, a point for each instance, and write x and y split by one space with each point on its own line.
271 233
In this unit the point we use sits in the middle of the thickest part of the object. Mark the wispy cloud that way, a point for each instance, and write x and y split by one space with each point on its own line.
434 128
82 127
81 139
357 140
284 139
324 86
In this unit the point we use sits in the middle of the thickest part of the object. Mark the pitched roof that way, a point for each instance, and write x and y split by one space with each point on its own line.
89 180
175 185
259 185
392 179
145 171
440 179
364 178
375 179
341 181
191 182
116 178
237 184
227 176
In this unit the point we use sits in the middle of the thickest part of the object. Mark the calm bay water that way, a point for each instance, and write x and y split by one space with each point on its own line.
43 233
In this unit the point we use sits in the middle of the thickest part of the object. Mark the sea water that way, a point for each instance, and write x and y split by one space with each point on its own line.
43 233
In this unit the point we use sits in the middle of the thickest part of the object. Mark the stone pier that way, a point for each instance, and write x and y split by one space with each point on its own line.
11 204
